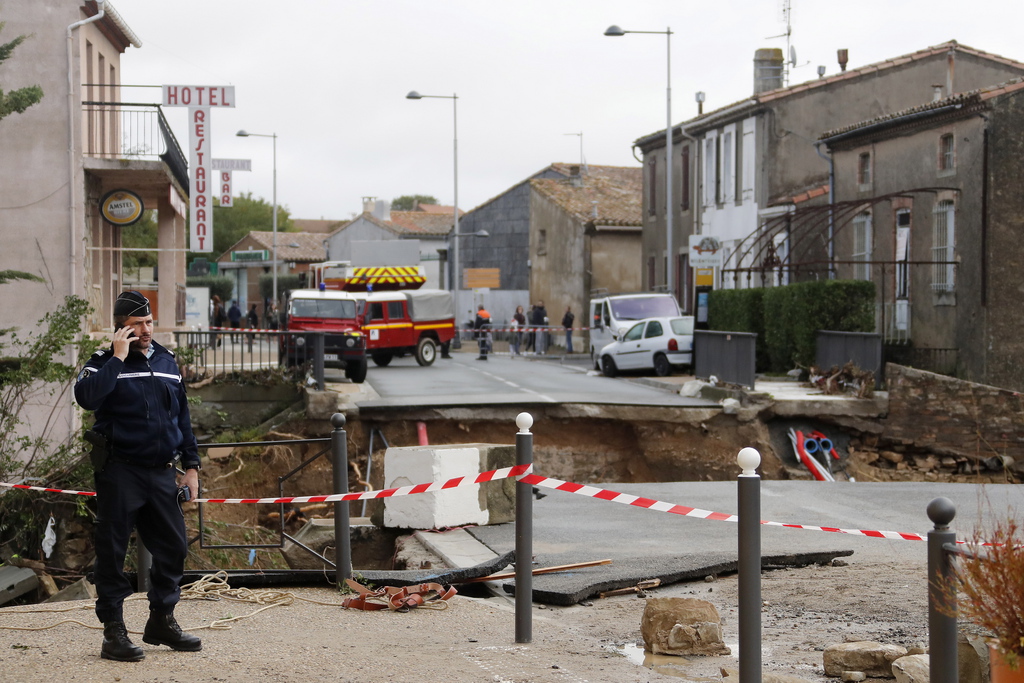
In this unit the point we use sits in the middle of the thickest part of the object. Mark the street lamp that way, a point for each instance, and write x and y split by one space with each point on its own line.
413 95
614 31
245 134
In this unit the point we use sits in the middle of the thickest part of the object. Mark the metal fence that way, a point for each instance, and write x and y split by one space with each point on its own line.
208 353
941 361
863 349
729 356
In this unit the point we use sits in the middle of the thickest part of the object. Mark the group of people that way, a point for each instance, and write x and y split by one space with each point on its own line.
534 340
232 318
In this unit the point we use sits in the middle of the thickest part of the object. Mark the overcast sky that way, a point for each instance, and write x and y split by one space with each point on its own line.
330 78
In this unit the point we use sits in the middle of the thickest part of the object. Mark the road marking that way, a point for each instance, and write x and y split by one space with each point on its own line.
513 384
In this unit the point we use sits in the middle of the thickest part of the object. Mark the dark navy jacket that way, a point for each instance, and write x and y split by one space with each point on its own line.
140 405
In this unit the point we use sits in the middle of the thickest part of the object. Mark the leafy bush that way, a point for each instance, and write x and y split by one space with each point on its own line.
793 314
286 282
740 310
221 285
34 373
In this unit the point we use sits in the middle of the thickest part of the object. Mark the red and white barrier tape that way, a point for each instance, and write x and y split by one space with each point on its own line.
24 487
524 474
521 329
492 475
661 506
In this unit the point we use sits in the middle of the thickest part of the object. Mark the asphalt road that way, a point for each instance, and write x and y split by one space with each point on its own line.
463 380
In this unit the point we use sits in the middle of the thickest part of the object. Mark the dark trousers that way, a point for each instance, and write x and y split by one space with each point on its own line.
127 497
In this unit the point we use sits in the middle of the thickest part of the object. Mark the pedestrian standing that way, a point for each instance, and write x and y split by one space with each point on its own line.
567 321
234 317
540 320
483 331
518 323
142 425
253 318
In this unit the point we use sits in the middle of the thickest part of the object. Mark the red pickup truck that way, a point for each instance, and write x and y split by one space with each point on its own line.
333 312
412 321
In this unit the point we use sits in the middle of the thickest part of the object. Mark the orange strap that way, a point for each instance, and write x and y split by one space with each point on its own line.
397 599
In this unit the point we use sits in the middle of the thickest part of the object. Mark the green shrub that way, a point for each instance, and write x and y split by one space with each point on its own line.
221 285
793 314
286 282
740 310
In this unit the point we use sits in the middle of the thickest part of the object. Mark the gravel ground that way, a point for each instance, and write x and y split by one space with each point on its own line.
473 640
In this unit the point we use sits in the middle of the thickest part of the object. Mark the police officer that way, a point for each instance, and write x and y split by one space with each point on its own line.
142 418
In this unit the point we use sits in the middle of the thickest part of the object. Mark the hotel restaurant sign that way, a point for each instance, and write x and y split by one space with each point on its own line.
200 100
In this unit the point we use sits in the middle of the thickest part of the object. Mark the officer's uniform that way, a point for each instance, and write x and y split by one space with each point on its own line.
141 407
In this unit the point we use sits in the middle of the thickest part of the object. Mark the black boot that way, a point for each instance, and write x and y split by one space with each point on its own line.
162 629
117 645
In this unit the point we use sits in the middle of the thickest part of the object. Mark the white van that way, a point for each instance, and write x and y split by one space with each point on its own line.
613 314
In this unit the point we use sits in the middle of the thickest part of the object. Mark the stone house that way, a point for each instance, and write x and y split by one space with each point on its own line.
253 255
378 223
540 242
936 224
67 152
745 168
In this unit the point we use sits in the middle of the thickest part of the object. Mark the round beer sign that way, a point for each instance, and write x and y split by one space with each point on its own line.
121 207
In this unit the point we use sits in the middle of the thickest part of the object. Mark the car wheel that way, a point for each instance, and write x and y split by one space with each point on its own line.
662 368
356 371
608 367
426 351
381 358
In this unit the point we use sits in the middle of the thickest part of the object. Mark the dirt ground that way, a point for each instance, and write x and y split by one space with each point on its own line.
805 610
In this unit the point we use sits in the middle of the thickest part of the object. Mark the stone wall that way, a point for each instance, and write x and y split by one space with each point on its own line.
952 417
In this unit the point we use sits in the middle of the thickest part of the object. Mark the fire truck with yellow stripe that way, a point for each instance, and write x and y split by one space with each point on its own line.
396 315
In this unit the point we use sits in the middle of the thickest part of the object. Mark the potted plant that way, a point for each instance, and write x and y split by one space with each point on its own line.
991 594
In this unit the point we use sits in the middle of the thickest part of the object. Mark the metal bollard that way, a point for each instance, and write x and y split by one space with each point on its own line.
318 361
942 632
342 535
524 534
144 563
748 490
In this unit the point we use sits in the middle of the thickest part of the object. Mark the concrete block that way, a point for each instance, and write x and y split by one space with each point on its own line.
79 590
15 582
491 503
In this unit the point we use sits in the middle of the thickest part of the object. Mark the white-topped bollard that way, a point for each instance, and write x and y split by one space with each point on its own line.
748 491
524 534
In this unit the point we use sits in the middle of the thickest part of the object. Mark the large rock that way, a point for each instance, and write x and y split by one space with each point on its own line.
682 626
874 659
372 547
911 669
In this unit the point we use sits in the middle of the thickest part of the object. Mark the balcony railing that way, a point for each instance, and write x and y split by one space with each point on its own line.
129 130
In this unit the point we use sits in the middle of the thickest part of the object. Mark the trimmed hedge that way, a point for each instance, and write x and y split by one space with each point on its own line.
793 314
221 285
786 319
740 310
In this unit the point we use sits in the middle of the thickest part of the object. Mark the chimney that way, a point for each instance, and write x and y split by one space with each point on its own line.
937 90
368 204
382 210
575 179
768 69
844 57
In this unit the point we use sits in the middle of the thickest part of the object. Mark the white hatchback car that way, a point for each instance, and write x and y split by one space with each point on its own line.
653 343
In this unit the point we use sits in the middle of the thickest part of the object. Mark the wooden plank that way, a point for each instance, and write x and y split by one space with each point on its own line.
540 570
477 278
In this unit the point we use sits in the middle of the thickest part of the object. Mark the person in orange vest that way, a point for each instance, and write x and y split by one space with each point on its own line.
483 335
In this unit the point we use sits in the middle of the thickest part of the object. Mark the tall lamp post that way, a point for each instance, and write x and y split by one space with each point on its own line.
245 134
413 95
615 32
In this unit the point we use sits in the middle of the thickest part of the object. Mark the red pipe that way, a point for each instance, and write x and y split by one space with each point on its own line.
421 432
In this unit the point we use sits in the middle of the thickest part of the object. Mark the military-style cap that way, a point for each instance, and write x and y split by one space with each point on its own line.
131 303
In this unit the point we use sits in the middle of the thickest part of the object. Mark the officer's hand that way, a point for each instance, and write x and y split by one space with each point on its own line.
191 480
123 337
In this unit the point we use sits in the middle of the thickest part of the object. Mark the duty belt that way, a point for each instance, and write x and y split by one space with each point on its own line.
149 466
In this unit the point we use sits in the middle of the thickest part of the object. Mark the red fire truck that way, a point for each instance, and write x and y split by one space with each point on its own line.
337 314
396 316
411 321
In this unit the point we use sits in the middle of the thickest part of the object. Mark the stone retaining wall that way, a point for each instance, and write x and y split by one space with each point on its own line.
949 416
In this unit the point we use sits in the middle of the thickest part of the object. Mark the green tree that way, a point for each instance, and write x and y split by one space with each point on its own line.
231 224
407 201
19 100
142 235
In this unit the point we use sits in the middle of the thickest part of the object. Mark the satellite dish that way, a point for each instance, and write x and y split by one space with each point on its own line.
792 55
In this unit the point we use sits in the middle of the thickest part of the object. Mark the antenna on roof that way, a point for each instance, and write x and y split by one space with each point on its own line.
583 162
785 16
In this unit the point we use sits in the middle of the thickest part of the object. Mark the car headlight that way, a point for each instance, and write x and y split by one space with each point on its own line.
300 341
350 342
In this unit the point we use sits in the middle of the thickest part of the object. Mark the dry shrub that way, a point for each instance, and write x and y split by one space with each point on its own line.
991 588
